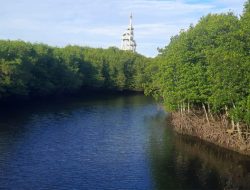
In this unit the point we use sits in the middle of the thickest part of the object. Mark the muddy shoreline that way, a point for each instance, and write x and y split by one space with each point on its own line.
215 132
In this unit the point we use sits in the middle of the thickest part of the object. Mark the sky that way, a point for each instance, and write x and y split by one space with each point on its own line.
100 23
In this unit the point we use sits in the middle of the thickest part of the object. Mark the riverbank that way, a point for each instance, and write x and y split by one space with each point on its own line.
214 131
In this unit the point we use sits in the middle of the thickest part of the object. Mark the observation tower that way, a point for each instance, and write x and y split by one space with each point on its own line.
128 42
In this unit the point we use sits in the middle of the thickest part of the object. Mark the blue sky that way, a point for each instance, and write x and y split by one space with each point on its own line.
100 23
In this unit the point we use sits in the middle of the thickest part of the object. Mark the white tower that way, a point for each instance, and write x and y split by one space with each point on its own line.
128 42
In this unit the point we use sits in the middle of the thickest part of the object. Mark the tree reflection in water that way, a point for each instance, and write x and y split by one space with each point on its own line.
181 162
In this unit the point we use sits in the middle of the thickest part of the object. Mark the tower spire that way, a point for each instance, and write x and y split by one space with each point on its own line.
130 20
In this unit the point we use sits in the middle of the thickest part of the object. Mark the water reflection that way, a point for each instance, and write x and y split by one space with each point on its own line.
180 162
86 143
108 142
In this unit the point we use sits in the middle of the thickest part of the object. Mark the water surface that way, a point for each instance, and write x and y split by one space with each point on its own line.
108 142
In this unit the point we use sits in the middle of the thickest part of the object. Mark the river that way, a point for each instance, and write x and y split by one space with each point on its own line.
108 142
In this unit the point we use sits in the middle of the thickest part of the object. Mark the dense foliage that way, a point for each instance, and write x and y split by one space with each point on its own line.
28 70
206 66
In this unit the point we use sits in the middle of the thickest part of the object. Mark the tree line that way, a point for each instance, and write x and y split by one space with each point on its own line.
38 70
206 67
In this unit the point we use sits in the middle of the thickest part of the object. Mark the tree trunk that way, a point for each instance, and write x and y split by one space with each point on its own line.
233 126
204 108
238 130
181 109
183 106
226 111
210 113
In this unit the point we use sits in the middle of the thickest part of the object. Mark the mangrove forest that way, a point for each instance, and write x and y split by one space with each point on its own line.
202 76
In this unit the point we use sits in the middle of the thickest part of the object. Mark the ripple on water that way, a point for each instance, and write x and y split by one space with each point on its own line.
116 142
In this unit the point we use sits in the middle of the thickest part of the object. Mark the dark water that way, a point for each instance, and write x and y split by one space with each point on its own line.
108 142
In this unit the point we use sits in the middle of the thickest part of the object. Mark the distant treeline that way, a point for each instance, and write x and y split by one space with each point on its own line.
206 66
38 70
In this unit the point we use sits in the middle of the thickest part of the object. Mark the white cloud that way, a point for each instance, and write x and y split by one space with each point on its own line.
101 23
